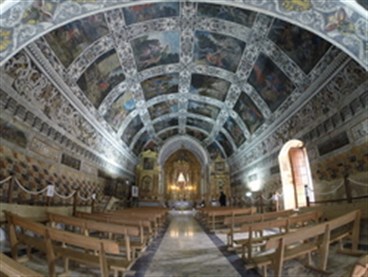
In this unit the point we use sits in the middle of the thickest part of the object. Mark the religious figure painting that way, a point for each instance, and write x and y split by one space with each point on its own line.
163 124
196 134
156 49
248 112
236 15
235 131
333 143
199 123
76 36
120 109
209 86
11 133
304 47
217 50
203 109
225 143
135 14
162 108
132 129
270 82
169 133
101 76
160 85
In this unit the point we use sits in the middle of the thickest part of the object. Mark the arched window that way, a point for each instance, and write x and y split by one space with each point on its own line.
295 174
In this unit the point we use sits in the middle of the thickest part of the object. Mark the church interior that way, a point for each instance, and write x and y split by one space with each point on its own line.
183 138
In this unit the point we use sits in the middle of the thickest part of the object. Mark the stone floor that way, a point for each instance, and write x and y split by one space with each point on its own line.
185 249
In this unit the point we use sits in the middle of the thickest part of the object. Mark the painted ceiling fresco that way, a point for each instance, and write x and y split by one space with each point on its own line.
147 72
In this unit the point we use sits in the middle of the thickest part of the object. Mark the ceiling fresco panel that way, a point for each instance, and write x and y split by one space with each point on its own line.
248 112
76 36
160 85
270 82
199 123
162 108
235 131
217 50
214 151
209 86
101 76
141 142
236 15
140 13
169 133
132 129
156 49
225 143
196 134
203 109
304 47
120 109
161 125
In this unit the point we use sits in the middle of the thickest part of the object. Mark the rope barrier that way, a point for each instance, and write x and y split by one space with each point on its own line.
82 198
326 193
358 183
5 180
64 196
27 190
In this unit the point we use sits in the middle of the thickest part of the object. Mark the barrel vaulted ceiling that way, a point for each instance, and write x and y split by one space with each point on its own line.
118 77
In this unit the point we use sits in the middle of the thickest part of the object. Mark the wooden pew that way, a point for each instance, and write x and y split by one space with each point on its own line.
215 217
105 254
111 231
234 223
10 267
278 227
145 231
360 268
307 240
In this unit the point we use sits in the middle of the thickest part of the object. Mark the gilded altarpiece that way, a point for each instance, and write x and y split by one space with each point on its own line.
219 179
182 177
148 171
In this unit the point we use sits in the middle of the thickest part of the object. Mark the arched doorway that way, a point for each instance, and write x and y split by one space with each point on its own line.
295 174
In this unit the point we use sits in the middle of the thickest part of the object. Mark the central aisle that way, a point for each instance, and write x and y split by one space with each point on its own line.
186 250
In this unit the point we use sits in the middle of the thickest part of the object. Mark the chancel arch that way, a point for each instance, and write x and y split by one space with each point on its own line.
295 174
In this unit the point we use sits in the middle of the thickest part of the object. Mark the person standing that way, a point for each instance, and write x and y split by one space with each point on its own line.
222 199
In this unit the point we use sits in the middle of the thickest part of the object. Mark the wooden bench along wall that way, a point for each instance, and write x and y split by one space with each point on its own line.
10 267
307 240
105 253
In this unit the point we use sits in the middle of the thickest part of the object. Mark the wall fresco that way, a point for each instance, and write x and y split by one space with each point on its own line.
135 14
203 109
248 112
235 131
159 109
270 82
132 129
100 77
304 47
209 86
217 50
160 85
228 13
333 143
120 109
76 37
13 134
214 151
70 161
156 49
